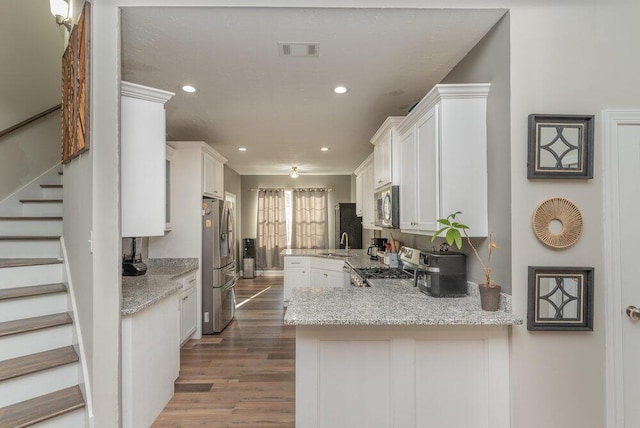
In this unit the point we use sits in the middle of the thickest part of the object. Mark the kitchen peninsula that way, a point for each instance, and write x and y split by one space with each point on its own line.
389 355
153 313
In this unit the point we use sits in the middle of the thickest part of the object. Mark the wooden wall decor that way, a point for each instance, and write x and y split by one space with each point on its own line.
75 88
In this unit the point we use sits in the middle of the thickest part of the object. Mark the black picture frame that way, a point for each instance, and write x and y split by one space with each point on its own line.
560 146
560 298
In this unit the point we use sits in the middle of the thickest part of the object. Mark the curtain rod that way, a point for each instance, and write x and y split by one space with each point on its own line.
296 189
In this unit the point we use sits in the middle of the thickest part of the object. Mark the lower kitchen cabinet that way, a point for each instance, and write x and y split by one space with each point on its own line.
303 271
326 273
188 308
296 274
150 361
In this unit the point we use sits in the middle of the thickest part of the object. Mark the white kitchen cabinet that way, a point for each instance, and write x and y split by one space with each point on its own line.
385 169
143 160
168 187
150 361
188 307
326 272
359 207
213 176
443 152
365 173
185 239
296 274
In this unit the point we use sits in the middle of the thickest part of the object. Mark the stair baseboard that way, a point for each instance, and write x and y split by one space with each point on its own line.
42 408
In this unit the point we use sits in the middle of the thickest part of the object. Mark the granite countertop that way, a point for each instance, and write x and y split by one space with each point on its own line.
357 258
389 302
139 292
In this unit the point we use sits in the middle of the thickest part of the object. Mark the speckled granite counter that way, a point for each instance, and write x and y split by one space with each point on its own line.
139 292
387 302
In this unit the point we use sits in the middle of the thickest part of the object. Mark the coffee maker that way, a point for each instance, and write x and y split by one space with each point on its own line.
377 244
442 274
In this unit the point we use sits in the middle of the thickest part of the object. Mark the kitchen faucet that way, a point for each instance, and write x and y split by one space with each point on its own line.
342 241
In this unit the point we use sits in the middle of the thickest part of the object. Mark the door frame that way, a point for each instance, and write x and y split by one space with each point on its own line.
611 120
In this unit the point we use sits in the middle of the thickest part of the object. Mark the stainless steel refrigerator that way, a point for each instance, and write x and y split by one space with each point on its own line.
218 265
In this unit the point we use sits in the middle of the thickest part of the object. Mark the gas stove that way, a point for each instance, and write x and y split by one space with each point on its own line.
409 257
359 276
382 272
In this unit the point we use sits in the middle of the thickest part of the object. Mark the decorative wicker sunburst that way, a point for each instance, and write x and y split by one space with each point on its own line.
566 213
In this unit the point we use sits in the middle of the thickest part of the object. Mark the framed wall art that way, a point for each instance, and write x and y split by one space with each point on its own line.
560 298
75 88
560 146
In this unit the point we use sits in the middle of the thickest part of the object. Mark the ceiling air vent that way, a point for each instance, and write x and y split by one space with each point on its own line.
299 49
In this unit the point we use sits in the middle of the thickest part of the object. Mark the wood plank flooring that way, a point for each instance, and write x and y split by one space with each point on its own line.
243 377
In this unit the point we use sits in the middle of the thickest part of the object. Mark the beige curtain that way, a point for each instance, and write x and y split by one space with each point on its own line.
271 231
310 228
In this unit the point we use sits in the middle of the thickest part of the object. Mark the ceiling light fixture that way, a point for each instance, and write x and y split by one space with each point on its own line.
339 89
60 9
243 149
189 88
294 172
324 149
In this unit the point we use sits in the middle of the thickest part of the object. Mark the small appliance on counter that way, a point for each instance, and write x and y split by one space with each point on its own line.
377 244
442 274
132 264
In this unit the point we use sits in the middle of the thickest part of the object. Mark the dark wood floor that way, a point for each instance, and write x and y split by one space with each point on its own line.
243 377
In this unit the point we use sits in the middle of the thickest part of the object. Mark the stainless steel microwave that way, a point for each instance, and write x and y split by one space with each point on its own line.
387 207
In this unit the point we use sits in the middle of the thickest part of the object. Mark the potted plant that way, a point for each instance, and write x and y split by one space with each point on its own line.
453 231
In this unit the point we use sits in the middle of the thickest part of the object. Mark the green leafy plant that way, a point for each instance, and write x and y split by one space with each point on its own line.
453 231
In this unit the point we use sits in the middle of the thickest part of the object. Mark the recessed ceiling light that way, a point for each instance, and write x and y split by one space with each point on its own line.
325 149
339 89
242 149
189 88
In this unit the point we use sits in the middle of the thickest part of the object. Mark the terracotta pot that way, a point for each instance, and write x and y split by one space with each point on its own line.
489 297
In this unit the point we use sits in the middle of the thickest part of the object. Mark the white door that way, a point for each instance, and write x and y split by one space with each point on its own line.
622 233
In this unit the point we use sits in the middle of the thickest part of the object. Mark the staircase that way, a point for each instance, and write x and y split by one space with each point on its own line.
39 366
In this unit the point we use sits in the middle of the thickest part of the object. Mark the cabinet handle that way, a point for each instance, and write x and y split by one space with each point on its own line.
326 274
185 297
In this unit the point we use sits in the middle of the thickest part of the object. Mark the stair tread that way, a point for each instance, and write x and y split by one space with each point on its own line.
41 408
29 238
41 201
33 363
32 290
51 186
31 218
7 263
36 323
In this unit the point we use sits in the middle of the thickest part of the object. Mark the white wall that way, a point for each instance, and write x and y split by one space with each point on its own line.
92 212
31 44
27 152
564 59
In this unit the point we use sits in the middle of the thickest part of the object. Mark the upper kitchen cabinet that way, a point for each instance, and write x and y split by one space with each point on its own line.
365 203
386 161
443 153
213 174
143 160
